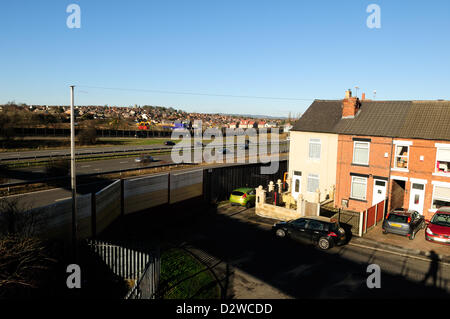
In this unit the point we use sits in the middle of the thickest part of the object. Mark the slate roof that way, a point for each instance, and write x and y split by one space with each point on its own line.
398 119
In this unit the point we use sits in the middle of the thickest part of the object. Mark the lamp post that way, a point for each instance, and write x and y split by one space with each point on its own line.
72 170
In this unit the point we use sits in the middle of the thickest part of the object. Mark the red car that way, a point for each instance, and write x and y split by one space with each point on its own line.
438 230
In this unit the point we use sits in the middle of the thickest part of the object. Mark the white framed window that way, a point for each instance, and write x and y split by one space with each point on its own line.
443 159
314 148
358 187
361 152
313 183
401 158
441 196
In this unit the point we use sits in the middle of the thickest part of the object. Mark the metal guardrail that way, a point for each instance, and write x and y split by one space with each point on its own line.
133 150
62 178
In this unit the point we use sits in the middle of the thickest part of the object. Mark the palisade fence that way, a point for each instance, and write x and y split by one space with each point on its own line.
131 261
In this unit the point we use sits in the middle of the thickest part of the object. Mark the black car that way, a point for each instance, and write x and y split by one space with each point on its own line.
171 143
321 231
403 222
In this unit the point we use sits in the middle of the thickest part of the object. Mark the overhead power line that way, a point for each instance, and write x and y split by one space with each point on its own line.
193 93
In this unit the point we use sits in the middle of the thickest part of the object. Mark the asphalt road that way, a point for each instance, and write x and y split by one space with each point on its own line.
46 197
260 266
79 151
32 173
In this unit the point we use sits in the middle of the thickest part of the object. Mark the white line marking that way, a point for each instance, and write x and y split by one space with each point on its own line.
86 166
395 253
58 200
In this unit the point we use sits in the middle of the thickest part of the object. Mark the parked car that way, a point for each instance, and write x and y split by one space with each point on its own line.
438 230
243 196
321 231
403 222
144 159
169 143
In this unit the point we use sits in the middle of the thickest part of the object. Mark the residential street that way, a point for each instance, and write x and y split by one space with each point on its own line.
261 266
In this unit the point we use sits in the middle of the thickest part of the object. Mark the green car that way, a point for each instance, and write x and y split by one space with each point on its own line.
244 196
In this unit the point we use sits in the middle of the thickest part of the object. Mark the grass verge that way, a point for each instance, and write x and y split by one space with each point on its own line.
183 277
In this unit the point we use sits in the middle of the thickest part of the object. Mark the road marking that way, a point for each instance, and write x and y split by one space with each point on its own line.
123 162
395 253
86 166
58 200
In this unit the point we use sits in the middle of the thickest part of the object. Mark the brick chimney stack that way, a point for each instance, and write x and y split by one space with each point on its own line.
350 105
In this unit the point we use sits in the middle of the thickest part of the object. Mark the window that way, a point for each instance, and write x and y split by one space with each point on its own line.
401 156
361 153
441 196
359 186
299 223
315 225
314 148
443 160
313 183
297 186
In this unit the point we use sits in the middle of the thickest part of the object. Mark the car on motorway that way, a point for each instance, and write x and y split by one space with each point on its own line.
244 147
323 232
144 159
244 196
171 143
404 222
438 229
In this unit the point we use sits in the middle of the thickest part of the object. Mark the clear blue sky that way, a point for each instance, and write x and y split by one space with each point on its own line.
294 49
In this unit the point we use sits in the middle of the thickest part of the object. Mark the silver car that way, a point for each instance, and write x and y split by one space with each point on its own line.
403 222
144 159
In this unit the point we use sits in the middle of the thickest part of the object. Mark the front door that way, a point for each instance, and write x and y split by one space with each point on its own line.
417 197
296 184
379 191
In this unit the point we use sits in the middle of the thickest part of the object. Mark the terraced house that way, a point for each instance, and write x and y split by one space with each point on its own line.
399 150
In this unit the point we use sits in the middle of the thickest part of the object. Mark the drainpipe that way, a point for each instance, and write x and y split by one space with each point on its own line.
386 208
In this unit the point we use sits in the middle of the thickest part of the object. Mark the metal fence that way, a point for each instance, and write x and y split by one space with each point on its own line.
147 285
219 182
128 260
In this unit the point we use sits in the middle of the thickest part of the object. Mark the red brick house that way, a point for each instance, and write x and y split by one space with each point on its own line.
399 150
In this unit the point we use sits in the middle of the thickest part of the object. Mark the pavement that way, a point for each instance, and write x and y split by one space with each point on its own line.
255 264
419 246
374 238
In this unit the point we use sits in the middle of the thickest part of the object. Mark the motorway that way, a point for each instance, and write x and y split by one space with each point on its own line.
9 156
46 197
34 172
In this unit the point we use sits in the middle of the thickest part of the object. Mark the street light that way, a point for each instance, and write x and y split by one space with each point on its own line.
72 170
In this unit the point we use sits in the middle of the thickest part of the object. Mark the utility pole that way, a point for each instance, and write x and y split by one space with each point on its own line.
73 171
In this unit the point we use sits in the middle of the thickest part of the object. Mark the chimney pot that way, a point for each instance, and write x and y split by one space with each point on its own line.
363 97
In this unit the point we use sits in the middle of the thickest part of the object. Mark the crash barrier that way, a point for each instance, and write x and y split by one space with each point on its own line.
130 261
145 192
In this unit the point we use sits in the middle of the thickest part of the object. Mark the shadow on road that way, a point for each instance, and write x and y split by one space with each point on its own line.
293 269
